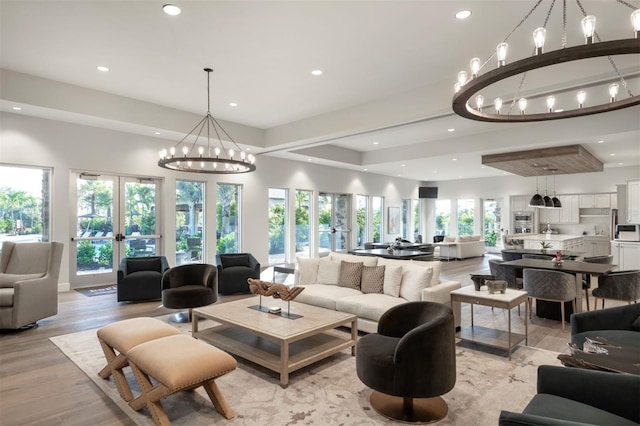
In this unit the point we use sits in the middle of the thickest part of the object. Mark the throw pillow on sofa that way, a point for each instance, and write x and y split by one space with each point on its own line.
328 271
392 280
372 279
413 281
307 269
350 274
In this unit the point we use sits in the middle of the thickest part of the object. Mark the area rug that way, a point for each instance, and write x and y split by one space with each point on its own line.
97 291
328 392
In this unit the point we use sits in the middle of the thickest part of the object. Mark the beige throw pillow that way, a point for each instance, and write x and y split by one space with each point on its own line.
307 270
413 281
372 279
350 274
392 280
328 271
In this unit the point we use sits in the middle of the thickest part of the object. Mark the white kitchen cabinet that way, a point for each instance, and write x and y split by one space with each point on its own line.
570 210
614 201
633 201
587 201
626 254
551 216
593 246
602 201
536 244
520 203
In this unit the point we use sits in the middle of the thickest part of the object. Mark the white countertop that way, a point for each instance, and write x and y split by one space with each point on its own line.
552 237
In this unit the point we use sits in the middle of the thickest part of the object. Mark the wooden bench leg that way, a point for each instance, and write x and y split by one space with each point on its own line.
218 400
115 364
150 397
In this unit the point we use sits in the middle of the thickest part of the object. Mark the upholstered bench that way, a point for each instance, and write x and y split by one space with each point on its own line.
178 363
122 336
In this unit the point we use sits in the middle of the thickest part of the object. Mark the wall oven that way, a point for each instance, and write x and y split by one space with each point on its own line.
522 222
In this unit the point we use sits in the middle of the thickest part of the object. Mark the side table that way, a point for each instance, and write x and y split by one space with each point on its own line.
486 336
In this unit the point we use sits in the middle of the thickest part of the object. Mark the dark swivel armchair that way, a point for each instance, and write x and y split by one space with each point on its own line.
189 286
234 269
410 362
139 278
575 396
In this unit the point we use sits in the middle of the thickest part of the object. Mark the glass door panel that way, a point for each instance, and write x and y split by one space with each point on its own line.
138 211
334 231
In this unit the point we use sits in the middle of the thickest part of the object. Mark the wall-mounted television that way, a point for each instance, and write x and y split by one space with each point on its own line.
428 192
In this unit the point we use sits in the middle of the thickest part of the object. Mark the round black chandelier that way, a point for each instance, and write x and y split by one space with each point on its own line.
468 86
207 159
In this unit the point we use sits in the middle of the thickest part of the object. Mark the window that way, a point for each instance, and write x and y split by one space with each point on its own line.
25 202
189 221
303 221
492 220
377 207
362 219
407 226
443 217
277 225
416 220
465 217
228 218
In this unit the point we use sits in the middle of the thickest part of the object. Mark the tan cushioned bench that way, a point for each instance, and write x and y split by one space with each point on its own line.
122 336
178 363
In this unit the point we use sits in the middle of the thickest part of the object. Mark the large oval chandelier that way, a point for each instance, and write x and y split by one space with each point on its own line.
192 157
469 103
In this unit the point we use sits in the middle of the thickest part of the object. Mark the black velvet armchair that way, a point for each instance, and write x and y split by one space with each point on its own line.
410 362
189 286
140 278
233 271
619 325
573 396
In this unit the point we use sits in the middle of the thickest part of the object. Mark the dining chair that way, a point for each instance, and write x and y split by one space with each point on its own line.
619 285
586 282
552 286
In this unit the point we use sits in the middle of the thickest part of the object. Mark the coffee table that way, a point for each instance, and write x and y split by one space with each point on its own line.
486 336
275 341
618 358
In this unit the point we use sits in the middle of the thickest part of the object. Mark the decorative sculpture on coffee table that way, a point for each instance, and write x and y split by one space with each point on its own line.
275 290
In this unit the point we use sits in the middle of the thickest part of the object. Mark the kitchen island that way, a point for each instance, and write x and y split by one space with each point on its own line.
554 242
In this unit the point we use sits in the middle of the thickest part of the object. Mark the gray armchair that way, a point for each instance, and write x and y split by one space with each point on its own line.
140 278
553 286
573 396
622 285
28 282
234 269
618 325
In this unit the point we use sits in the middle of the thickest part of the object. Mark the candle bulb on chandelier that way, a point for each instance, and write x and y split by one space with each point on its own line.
479 102
613 90
582 95
475 67
462 78
635 21
538 39
497 103
501 53
588 28
551 101
522 103
200 150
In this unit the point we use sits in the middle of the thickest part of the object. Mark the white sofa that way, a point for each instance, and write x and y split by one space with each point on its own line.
404 280
461 247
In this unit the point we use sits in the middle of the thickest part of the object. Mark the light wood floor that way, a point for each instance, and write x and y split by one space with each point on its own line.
41 386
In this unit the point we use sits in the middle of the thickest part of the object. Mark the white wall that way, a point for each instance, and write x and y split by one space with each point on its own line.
70 147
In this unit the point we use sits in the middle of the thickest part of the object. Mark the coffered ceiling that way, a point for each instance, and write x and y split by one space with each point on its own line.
382 103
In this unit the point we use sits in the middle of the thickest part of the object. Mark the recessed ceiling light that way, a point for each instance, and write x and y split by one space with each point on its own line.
612 155
316 72
454 159
171 9
451 130
17 108
403 165
620 164
376 143
308 159
366 170
156 133
233 104
435 171
482 167
600 141
463 14
247 149
102 68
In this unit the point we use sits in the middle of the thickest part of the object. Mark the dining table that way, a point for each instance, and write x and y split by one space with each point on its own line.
569 266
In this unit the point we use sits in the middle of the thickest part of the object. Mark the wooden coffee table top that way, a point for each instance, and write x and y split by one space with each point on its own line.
239 313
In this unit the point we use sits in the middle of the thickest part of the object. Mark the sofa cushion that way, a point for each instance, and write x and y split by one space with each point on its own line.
350 274
413 281
368 306
392 280
328 271
142 264
325 295
436 265
307 270
7 280
449 240
463 238
475 237
366 260
372 279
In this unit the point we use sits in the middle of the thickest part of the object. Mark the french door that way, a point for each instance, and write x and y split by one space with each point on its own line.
334 231
116 217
